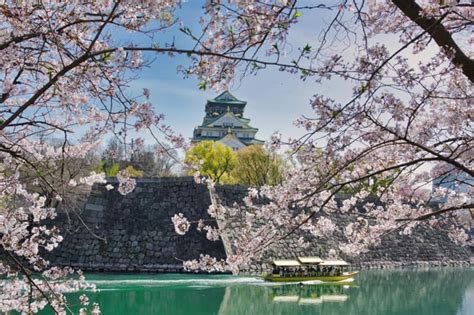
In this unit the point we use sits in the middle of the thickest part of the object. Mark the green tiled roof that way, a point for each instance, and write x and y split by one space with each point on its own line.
209 121
227 98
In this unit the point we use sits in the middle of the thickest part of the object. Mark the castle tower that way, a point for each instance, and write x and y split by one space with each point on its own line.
224 122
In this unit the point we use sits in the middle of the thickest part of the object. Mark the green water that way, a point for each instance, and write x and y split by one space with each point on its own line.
407 292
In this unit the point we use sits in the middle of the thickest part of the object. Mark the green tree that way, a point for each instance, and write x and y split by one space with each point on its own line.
110 168
257 167
213 159
133 172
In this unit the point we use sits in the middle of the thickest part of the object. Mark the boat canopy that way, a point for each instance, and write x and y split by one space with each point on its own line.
310 301
286 263
310 260
334 298
286 298
334 263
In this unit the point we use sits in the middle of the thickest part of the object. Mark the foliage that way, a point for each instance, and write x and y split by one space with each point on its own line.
111 170
132 172
212 159
257 167
407 123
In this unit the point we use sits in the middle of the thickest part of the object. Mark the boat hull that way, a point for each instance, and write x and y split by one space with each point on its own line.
277 278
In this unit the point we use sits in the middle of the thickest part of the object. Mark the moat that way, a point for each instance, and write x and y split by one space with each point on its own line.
448 291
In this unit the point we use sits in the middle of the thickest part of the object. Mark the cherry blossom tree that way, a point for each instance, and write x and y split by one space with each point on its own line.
65 73
409 121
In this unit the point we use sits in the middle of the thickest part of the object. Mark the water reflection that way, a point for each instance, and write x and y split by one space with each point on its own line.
467 306
427 292
284 299
309 294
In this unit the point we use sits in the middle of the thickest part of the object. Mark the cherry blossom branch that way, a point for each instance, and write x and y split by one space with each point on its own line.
439 33
438 212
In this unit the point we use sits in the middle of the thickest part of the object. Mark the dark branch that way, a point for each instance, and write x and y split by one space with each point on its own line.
439 33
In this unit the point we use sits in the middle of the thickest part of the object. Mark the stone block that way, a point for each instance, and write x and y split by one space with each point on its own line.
94 207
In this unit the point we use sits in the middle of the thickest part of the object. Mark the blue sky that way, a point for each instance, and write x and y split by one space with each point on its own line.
274 99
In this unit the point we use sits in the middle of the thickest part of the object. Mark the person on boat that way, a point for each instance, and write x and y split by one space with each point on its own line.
318 271
330 271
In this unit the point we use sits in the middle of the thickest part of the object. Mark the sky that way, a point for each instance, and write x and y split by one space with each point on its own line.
274 99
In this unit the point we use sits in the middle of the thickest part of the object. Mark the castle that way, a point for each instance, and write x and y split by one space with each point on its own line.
224 122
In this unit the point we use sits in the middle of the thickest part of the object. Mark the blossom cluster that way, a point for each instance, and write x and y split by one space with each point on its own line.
181 224
126 183
407 127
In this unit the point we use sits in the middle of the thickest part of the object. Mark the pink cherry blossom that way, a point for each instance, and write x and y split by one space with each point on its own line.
181 224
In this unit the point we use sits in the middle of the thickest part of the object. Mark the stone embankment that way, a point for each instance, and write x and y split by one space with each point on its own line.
425 247
134 233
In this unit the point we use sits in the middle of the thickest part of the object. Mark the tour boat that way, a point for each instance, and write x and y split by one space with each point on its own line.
309 269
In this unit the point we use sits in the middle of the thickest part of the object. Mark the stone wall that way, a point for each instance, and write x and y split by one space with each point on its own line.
424 247
134 232
116 233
